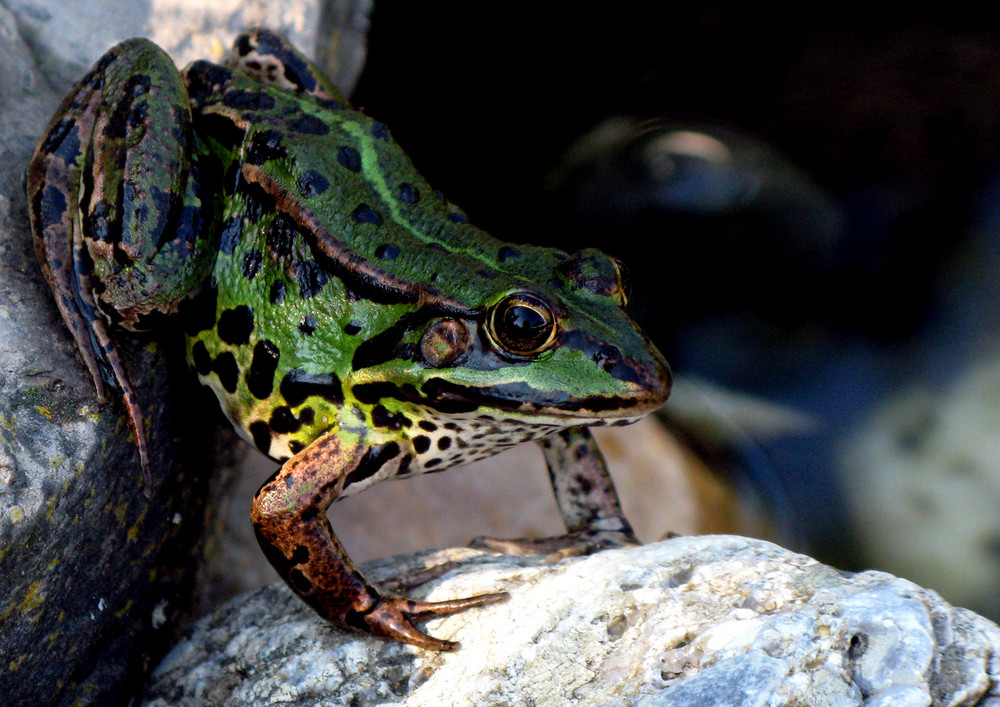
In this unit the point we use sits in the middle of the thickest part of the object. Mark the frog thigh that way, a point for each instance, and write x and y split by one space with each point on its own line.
269 57
150 241
111 195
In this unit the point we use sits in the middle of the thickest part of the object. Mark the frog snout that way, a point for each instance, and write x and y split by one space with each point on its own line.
651 377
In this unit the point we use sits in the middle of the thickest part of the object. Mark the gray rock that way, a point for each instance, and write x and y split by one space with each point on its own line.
92 573
711 620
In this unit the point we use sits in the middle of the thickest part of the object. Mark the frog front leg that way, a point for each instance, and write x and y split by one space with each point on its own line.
115 216
585 495
289 519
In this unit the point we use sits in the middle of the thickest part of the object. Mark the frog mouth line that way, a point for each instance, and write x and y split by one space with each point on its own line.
517 398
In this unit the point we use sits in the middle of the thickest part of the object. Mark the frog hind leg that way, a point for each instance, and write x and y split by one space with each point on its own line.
270 58
115 219
289 520
75 301
586 497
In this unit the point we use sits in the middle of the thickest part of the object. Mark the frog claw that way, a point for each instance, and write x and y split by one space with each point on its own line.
393 617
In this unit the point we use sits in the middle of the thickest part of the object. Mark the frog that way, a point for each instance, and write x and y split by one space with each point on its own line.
354 325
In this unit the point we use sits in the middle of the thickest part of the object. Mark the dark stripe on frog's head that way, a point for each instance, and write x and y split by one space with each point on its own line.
451 398
524 398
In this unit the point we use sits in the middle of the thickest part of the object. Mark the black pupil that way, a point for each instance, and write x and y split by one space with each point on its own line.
526 323
521 326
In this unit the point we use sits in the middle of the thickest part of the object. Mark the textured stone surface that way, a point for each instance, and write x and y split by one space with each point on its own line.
712 620
92 573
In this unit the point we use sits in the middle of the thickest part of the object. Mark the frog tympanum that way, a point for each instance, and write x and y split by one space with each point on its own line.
354 326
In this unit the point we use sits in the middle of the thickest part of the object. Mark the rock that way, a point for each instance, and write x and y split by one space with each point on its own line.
92 573
68 38
94 576
922 478
717 620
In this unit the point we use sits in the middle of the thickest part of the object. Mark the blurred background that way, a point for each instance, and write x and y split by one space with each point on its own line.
809 206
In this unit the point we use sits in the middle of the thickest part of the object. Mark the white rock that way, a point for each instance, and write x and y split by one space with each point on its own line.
712 620
923 480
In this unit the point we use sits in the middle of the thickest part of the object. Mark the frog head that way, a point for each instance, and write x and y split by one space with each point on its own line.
550 345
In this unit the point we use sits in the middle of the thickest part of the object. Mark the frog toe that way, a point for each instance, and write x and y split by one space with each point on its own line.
393 617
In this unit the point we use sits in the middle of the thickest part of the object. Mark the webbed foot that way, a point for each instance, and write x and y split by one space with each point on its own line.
394 616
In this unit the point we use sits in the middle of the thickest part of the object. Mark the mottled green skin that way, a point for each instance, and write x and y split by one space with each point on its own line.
443 266
350 320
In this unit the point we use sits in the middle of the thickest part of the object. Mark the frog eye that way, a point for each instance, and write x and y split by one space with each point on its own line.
522 324
624 289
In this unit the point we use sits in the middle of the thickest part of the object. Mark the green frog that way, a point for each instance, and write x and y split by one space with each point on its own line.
353 324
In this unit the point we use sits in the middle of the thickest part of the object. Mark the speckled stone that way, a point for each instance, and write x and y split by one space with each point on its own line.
717 620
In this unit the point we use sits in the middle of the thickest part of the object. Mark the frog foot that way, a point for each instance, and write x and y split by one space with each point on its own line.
583 542
393 617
